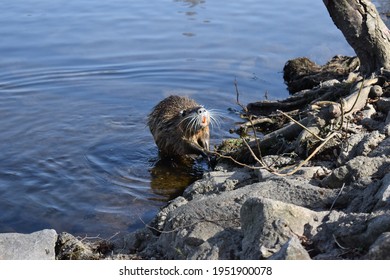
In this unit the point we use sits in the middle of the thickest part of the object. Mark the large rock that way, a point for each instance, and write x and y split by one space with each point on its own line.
195 229
299 189
38 245
349 234
367 198
267 224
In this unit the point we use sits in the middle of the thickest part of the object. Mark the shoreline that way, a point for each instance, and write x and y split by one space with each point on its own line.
337 206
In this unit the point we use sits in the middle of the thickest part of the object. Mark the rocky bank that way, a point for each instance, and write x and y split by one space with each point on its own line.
236 213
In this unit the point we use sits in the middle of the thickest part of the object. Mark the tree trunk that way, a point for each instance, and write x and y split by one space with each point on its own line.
364 30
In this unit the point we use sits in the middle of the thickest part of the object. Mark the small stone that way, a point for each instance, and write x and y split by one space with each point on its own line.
384 104
376 91
291 250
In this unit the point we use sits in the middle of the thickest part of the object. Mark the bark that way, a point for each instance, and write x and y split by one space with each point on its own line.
364 30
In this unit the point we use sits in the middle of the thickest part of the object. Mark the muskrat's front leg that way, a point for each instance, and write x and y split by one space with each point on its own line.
194 148
204 143
206 154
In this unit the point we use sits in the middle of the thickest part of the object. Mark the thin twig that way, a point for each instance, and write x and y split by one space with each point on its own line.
342 115
237 162
338 195
261 161
357 97
238 97
338 244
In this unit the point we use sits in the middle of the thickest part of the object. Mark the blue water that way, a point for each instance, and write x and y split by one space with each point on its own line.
78 77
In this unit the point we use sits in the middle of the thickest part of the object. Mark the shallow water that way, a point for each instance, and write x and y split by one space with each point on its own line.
77 79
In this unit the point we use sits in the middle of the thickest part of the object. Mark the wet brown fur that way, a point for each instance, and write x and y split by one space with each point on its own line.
171 132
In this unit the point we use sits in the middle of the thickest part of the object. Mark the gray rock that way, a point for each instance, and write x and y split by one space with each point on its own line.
367 121
159 221
386 128
218 181
191 230
267 224
360 145
349 233
378 223
329 83
380 250
382 149
134 242
360 168
384 104
332 239
38 245
369 143
382 197
293 189
291 250
368 111
367 198
349 148
313 172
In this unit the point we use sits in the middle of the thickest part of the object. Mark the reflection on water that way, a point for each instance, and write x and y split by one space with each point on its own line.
192 3
191 13
169 178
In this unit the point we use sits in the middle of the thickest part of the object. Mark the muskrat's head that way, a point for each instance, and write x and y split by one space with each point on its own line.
194 119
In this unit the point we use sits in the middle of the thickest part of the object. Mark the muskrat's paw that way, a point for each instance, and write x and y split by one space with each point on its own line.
212 162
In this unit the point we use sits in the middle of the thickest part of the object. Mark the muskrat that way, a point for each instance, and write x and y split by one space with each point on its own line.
180 127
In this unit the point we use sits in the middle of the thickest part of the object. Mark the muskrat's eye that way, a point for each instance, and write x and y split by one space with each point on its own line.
183 112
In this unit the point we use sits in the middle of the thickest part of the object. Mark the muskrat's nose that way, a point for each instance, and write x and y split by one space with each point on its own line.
201 111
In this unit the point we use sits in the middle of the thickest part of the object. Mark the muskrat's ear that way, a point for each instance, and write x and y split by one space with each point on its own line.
183 113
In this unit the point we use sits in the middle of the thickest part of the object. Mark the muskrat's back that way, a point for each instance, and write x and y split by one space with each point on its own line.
180 127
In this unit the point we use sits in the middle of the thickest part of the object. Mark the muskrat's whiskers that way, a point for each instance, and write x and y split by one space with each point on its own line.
215 119
198 122
185 120
194 122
